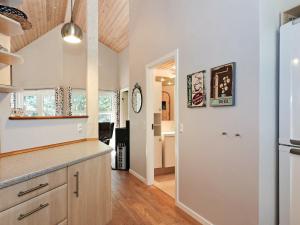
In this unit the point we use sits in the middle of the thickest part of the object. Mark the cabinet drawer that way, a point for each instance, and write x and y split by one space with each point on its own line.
24 191
47 209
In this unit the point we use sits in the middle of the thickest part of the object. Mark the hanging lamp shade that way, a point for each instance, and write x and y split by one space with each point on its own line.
71 33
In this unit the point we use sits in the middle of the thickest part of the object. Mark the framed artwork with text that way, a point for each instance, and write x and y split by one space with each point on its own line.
222 85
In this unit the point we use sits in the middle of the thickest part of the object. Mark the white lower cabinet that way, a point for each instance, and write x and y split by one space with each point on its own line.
158 163
169 151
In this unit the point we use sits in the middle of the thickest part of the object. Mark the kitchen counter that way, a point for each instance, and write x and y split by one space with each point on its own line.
23 167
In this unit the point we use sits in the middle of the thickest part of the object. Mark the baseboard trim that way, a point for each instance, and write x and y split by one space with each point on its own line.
193 214
138 176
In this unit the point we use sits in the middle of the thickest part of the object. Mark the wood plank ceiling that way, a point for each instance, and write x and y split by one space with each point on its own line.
113 22
47 14
44 16
167 69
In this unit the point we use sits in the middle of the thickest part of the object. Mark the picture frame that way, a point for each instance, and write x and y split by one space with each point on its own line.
222 85
196 91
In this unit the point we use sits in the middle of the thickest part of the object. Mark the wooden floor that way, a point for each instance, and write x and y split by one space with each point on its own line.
134 203
166 183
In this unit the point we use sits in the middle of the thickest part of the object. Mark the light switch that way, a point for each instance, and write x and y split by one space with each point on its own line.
181 128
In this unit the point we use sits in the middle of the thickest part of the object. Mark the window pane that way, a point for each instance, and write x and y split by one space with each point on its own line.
78 103
49 105
13 100
105 103
30 105
105 118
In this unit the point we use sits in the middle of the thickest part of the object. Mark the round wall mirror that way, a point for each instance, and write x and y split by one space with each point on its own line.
137 98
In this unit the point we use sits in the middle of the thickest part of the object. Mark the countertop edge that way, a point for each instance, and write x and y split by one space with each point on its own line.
23 178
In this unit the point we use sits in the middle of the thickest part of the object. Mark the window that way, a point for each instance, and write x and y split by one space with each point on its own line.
107 113
79 102
35 102
108 110
49 108
30 105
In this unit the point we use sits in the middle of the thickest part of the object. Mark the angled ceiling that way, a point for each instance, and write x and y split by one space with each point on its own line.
44 16
113 22
47 14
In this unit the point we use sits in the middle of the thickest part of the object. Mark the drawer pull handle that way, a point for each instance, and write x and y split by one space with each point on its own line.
42 206
76 175
22 193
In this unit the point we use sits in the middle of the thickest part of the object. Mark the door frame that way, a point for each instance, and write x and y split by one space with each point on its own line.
149 119
121 108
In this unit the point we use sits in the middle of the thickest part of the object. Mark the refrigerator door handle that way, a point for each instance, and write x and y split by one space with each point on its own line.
295 142
295 151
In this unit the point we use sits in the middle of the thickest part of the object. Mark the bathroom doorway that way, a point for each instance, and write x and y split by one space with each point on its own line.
124 107
162 113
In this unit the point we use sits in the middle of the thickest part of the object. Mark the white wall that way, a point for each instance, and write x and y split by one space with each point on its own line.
43 62
218 175
50 62
124 68
288 4
108 69
74 63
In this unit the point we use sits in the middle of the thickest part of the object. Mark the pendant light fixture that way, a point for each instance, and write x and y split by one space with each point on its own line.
71 32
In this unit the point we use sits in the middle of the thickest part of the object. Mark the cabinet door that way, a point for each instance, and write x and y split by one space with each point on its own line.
89 192
169 151
157 152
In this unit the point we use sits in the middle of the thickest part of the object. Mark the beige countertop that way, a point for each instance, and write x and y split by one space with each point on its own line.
168 133
22 167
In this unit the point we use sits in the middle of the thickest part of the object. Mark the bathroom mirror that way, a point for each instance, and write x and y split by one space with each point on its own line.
137 98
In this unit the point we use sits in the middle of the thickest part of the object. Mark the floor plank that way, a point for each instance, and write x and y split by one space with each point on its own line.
166 183
134 203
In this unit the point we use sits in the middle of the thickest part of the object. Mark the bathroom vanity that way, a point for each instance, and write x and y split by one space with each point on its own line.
64 185
168 149
164 154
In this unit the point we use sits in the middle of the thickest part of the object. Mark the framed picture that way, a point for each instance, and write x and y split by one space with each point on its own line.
196 90
222 85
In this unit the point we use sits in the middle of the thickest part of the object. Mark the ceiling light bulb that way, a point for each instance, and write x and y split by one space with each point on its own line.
72 39
71 33
296 61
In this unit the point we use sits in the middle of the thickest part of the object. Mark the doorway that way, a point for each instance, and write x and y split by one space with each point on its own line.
162 124
124 108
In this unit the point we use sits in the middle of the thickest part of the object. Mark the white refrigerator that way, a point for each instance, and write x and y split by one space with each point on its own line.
289 124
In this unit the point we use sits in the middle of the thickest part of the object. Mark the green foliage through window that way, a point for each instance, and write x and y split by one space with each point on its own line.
105 103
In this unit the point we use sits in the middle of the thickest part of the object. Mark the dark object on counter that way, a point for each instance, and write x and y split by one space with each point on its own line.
16 15
122 158
106 131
